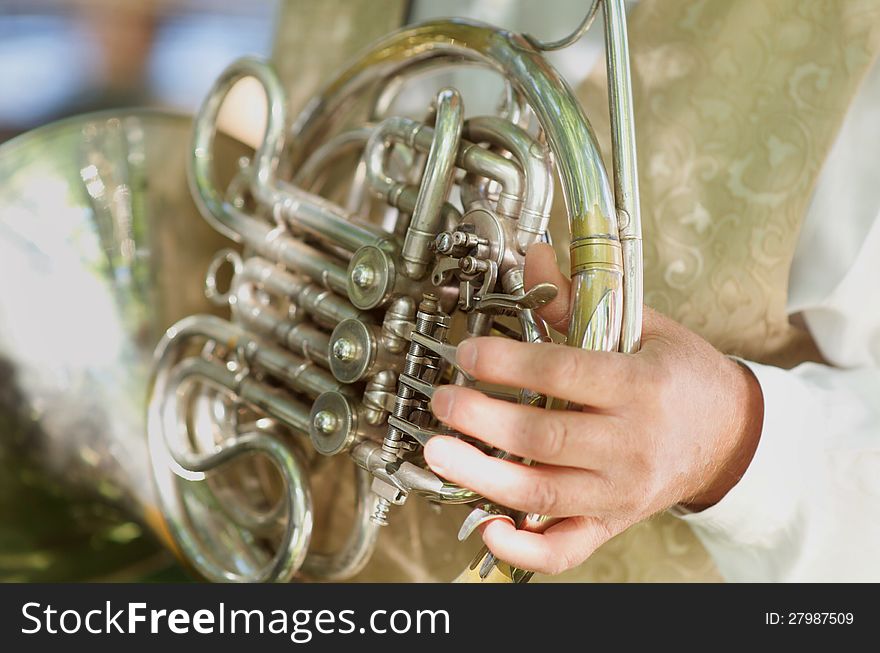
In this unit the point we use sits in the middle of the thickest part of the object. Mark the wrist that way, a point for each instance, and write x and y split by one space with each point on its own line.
738 441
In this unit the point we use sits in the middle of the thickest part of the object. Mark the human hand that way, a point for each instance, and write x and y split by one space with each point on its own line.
678 422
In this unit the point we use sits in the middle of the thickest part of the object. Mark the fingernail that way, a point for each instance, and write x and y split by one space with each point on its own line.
438 452
441 402
466 356
499 526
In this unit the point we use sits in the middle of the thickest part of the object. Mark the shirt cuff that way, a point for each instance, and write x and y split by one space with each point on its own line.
765 502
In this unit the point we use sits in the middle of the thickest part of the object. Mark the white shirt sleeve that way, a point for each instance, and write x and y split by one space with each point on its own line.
808 507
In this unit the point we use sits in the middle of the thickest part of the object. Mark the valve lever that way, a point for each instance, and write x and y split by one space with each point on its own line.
418 385
442 349
479 516
539 295
420 433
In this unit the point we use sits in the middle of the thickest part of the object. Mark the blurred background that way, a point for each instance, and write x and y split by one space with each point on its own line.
64 57
60 58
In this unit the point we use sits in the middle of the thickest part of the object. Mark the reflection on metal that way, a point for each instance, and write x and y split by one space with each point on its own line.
437 255
101 248
346 301
579 31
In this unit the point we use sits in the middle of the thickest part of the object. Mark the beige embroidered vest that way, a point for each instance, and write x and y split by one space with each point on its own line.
737 103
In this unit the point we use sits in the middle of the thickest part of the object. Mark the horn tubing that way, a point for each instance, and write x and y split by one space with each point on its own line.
597 268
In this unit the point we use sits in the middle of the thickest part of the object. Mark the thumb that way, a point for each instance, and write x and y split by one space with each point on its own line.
542 267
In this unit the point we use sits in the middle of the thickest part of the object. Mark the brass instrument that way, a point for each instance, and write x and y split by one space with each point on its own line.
348 287
101 248
340 328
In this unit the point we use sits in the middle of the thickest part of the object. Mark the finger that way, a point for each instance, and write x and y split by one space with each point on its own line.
541 267
593 378
570 438
555 491
562 546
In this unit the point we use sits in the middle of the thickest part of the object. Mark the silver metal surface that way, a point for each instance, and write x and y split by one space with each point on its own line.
341 308
566 41
437 182
626 178
101 248
471 250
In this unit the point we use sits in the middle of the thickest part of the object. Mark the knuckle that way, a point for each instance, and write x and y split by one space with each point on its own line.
482 355
638 493
557 562
652 484
631 482
544 496
625 499
632 374
555 438
603 532
565 561
564 365
520 491
627 375
525 433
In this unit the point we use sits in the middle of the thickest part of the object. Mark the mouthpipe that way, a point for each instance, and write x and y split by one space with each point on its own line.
626 178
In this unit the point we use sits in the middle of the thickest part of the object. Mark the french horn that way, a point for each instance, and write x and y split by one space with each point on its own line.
363 245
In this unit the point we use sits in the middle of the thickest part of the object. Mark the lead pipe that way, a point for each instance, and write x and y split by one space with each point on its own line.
626 178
